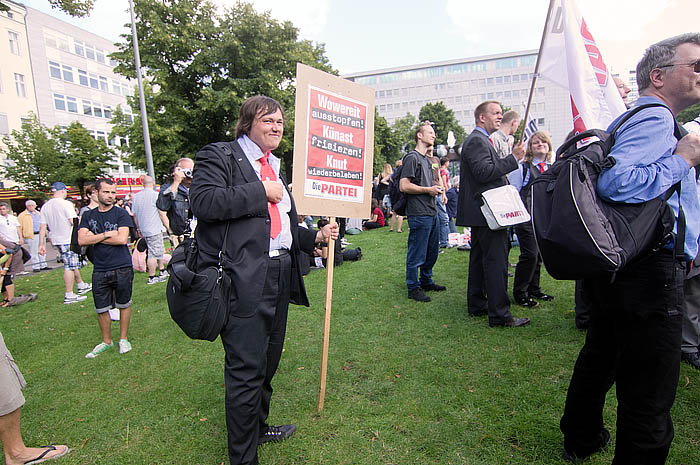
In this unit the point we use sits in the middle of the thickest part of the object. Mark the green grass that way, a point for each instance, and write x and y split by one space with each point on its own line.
408 383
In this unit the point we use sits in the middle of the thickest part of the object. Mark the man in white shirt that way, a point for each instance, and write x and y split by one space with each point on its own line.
150 228
9 225
57 216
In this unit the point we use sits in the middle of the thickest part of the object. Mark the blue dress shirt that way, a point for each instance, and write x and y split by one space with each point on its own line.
646 168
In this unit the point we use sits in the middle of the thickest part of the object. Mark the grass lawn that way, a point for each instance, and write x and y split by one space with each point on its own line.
408 383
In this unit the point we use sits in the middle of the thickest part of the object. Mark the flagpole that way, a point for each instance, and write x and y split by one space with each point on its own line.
537 70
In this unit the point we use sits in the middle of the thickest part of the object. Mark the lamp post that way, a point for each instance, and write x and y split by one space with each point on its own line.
142 99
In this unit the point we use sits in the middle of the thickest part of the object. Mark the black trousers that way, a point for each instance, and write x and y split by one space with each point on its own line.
253 348
487 284
633 341
527 272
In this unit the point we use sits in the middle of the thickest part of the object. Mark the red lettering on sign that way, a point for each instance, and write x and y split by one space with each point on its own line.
601 71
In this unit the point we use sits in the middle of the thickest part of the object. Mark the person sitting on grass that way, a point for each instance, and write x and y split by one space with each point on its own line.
11 401
377 220
10 264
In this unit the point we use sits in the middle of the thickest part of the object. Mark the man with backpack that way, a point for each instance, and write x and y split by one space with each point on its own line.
635 322
424 227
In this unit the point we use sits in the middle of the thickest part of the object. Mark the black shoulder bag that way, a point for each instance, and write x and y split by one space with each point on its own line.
198 302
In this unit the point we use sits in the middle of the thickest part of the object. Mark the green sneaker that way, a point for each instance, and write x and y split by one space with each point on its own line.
99 348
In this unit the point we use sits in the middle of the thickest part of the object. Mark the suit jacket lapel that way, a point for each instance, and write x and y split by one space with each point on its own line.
244 165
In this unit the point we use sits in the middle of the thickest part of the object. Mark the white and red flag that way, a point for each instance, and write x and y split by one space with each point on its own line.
570 58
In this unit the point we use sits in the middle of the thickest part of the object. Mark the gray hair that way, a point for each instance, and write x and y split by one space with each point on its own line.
29 202
660 54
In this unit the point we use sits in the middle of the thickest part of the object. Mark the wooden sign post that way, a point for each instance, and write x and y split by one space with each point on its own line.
333 153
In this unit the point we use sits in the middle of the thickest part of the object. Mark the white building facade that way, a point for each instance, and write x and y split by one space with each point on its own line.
462 84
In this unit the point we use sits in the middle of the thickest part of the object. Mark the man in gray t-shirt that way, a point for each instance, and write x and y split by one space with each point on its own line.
424 233
150 228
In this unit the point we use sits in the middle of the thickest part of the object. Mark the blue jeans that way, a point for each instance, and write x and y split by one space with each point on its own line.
443 220
422 252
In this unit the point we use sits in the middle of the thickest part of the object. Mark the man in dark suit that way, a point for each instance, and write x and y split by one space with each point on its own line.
482 169
239 186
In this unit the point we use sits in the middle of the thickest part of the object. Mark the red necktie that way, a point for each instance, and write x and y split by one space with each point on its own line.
541 165
268 174
492 144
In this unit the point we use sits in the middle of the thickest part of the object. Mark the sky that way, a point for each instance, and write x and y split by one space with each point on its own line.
364 35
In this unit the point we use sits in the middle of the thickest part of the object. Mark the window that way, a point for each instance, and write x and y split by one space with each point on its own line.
382 93
51 41
97 111
4 125
112 141
516 93
19 85
10 15
458 99
113 62
516 78
93 81
540 122
523 77
63 44
100 55
54 70
108 112
59 102
499 80
507 94
489 81
489 95
72 104
127 168
101 136
87 107
83 77
14 42
89 52
104 87
506 79
67 73
116 88
78 47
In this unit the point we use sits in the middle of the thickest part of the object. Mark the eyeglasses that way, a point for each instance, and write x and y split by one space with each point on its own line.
694 64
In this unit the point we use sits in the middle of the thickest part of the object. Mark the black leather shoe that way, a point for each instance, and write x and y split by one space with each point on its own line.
276 433
513 322
692 359
433 287
542 296
528 302
604 442
418 295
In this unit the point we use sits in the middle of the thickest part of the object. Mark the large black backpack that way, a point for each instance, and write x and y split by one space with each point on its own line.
580 235
398 198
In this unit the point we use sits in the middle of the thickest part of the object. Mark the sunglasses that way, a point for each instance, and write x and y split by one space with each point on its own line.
694 64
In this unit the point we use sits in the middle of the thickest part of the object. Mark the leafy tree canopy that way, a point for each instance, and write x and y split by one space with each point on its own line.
688 114
202 65
79 8
404 128
444 121
39 156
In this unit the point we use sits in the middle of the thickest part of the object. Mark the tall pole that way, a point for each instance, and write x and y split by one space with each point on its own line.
537 69
142 99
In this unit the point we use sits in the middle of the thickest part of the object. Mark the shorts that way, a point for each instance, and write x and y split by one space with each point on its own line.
11 382
110 287
155 246
71 260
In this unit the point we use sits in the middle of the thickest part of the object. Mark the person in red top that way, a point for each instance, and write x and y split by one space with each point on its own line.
377 220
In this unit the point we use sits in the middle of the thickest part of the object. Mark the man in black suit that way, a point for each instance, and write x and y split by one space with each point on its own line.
482 169
239 186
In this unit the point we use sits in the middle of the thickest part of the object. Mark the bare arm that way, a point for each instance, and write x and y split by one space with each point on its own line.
407 187
42 239
164 219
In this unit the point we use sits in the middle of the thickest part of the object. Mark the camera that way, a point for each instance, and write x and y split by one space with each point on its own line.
187 172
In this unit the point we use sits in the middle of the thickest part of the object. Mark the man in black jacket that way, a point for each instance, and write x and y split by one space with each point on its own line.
241 188
482 169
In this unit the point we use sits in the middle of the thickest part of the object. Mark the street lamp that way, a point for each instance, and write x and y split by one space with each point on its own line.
142 99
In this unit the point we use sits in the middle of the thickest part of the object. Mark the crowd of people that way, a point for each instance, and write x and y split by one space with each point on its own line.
640 324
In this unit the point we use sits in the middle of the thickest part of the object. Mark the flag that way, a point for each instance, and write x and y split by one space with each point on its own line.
570 58
529 130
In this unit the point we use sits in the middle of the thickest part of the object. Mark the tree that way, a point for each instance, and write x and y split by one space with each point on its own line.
444 120
86 157
404 129
386 144
204 65
40 156
35 158
79 8
688 114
